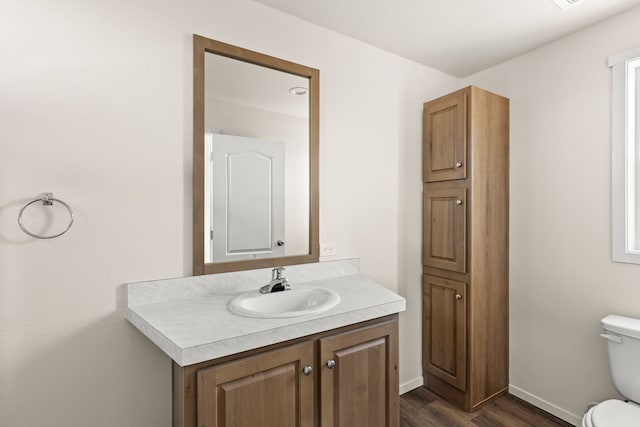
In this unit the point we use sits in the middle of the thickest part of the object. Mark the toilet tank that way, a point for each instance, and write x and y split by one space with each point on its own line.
623 346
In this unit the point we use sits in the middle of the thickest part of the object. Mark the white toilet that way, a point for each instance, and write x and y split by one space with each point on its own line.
623 344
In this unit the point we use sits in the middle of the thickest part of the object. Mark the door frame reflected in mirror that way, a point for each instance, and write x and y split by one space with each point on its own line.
202 46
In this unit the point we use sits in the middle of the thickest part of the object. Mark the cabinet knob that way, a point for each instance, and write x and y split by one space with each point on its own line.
331 364
458 296
307 370
280 242
458 165
458 202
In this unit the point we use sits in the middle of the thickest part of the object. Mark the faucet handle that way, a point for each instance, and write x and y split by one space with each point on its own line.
276 273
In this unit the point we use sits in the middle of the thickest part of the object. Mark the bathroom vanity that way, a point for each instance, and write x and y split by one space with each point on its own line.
335 368
332 367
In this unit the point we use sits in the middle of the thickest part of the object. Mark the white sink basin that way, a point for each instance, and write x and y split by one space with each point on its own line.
299 301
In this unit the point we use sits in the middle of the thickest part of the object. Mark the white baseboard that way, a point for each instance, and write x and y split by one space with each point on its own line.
546 406
410 385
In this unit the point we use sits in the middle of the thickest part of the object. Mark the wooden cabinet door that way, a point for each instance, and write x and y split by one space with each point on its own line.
359 377
445 138
444 228
445 330
267 390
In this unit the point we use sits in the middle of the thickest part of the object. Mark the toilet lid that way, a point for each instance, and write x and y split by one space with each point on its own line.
615 413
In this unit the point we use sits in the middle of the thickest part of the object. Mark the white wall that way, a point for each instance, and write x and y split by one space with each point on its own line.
562 279
96 107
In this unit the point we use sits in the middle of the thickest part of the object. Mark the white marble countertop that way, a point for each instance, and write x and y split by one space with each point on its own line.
189 320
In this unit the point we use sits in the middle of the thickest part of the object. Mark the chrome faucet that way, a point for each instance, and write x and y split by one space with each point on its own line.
278 282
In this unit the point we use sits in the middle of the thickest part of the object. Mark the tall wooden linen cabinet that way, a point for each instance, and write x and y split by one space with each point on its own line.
465 281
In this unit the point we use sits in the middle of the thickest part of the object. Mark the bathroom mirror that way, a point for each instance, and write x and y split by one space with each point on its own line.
255 159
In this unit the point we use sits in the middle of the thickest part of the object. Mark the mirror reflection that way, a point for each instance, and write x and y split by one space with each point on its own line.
255 170
256 161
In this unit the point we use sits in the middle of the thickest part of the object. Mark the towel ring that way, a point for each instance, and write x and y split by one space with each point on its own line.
47 200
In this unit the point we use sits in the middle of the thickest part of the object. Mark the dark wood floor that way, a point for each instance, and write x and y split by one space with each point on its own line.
422 408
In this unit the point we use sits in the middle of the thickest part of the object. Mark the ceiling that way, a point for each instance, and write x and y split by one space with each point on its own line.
459 37
245 84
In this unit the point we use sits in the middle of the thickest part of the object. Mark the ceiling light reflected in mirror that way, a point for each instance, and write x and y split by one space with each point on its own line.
566 4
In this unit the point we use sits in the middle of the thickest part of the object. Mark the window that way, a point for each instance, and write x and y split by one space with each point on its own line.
625 173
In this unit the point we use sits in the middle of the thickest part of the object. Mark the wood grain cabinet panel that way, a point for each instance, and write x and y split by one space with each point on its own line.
444 229
445 337
268 389
293 385
466 246
358 378
445 138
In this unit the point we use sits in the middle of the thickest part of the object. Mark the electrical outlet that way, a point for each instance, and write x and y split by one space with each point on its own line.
327 249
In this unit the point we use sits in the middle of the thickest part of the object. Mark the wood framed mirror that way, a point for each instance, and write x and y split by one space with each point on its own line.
255 159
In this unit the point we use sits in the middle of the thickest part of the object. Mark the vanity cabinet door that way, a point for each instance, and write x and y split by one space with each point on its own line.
445 228
359 377
269 389
445 330
445 138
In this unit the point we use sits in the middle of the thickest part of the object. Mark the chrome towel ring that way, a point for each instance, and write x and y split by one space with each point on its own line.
47 200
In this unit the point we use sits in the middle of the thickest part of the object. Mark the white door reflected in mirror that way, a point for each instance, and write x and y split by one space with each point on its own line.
245 209
258 124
